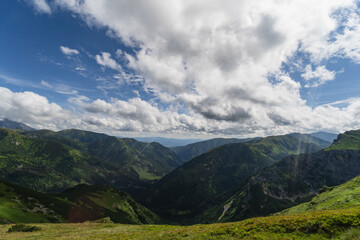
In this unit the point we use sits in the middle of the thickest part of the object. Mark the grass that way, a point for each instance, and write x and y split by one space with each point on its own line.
23 228
342 196
349 140
336 224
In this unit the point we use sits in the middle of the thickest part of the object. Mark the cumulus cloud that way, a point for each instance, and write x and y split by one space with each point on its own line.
320 75
138 116
68 51
31 108
41 6
214 58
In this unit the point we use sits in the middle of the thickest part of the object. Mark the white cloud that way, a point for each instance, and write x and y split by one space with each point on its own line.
31 108
318 77
45 84
41 6
105 60
134 116
68 51
214 57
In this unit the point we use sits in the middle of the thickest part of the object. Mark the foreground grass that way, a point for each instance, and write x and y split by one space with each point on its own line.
337 224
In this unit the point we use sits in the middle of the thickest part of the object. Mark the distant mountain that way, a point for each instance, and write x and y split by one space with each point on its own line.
307 138
293 180
330 137
349 140
53 161
342 196
190 151
190 188
6 123
78 204
168 142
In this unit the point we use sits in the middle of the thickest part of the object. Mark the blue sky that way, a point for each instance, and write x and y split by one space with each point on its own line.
181 69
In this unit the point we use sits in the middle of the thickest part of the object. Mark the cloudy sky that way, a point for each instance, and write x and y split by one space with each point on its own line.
181 68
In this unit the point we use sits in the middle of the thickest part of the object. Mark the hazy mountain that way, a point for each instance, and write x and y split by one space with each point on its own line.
6 123
190 151
78 204
168 142
330 137
194 185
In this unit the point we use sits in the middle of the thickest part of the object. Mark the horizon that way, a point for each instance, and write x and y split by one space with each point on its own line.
180 69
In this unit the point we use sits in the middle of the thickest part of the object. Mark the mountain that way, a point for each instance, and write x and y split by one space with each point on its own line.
137 162
190 151
293 180
307 138
51 166
168 142
6 123
78 204
342 196
190 188
53 161
349 140
329 137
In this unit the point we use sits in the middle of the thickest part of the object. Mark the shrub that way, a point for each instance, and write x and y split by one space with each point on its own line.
23 228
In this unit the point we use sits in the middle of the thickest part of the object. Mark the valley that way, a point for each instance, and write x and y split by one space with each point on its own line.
238 180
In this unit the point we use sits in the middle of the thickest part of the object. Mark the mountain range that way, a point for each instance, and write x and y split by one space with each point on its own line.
292 180
188 190
75 176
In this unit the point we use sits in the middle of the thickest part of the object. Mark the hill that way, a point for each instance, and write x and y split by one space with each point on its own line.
77 204
293 180
49 165
343 196
6 123
190 151
349 140
149 160
185 192
129 164
330 224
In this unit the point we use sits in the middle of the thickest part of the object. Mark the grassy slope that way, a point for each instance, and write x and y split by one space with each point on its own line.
294 180
18 204
345 195
349 140
314 225
78 204
51 166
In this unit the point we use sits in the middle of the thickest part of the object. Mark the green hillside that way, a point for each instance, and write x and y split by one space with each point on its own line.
330 224
349 140
48 165
53 161
77 204
19 204
294 180
141 161
343 196
185 192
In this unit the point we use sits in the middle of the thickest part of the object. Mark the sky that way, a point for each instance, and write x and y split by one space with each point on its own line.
181 68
